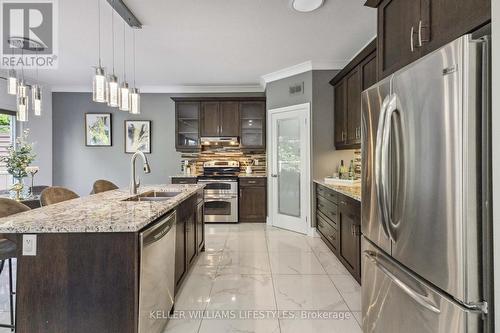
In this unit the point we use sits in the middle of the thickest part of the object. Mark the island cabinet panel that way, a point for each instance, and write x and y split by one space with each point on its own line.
338 223
186 246
79 283
200 225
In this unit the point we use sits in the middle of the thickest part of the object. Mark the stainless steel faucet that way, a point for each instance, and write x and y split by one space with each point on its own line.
134 185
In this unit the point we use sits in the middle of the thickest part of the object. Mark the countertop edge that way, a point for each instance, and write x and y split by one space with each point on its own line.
339 189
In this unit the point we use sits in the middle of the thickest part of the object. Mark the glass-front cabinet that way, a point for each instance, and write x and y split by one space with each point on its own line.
253 125
187 126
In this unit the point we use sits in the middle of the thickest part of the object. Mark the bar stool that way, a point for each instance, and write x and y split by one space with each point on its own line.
103 185
8 251
55 194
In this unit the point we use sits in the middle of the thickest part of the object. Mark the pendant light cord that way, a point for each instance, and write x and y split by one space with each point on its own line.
133 39
99 31
124 49
113 36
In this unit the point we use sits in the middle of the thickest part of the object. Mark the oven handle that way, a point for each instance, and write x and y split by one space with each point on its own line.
211 198
218 181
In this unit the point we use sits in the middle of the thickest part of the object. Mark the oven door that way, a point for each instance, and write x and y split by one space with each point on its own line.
221 209
219 187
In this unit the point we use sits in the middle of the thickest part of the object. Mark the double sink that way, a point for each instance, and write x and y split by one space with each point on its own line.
154 196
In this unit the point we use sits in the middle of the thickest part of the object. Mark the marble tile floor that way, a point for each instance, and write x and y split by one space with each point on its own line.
254 278
264 280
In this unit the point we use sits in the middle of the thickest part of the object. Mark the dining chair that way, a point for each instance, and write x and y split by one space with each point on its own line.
103 185
54 194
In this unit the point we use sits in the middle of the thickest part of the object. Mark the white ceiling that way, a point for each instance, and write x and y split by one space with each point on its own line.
209 42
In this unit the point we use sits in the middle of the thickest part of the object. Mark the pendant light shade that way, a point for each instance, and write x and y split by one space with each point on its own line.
22 108
124 104
12 82
99 86
134 101
37 99
112 91
22 89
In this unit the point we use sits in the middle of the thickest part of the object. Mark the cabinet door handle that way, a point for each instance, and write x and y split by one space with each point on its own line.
421 40
252 182
411 39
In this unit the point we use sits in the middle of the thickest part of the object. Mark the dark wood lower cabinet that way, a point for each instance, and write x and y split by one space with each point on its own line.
338 223
189 236
350 240
253 200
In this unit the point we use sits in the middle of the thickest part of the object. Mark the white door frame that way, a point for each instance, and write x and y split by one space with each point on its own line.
307 173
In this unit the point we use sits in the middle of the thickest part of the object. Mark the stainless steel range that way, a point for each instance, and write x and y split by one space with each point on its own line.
221 191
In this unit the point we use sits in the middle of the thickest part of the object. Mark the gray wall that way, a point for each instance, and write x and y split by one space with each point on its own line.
77 166
277 94
40 132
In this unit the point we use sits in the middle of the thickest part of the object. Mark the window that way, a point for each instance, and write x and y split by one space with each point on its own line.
7 138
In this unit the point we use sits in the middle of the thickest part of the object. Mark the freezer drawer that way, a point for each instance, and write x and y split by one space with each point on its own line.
395 301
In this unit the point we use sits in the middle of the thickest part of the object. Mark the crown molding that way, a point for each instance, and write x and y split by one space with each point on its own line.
176 89
302 68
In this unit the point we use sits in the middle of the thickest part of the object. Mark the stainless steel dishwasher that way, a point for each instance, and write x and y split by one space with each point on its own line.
156 280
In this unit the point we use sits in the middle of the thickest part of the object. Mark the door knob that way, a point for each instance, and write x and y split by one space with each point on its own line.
274 175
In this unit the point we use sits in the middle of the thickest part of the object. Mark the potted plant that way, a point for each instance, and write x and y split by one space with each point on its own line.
19 157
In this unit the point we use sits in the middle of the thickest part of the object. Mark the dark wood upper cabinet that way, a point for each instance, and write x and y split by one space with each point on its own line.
210 119
353 86
397 34
410 29
349 83
253 200
229 119
340 110
369 71
445 20
243 117
187 130
253 125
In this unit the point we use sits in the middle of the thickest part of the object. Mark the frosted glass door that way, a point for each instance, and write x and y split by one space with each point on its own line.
289 166
289 158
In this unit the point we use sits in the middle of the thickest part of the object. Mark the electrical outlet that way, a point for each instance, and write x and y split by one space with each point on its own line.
29 245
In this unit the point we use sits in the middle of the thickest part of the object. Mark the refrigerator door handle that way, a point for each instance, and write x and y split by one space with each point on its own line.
378 169
391 108
420 299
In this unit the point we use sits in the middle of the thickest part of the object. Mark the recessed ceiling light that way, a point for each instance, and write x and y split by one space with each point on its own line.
306 5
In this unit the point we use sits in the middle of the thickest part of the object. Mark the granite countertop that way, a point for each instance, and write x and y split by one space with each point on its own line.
350 191
103 212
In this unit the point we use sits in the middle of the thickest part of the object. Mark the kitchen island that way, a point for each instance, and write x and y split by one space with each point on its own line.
85 272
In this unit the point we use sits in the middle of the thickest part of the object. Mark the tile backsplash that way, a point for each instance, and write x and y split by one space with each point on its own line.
245 159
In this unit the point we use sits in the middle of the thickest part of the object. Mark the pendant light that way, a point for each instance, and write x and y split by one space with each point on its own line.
36 96
22 108
12 82
36 91
112 87
134 96
99 81
124 91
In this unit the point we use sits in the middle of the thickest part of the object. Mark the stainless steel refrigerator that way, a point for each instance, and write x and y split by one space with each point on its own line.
425 162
